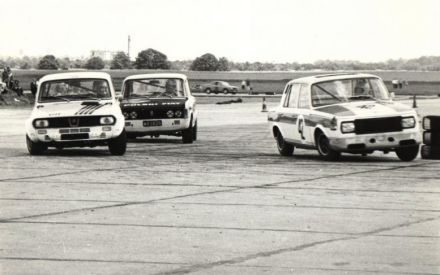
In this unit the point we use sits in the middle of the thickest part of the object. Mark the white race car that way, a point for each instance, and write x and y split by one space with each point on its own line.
351 113
76 110
159 104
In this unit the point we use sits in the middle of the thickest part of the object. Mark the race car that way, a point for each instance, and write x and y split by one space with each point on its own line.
159 104
335 113
76 110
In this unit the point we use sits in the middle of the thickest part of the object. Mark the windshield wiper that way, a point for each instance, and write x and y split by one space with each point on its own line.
360 97
55 97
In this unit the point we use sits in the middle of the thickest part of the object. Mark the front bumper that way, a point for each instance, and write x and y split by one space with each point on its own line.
77 135
167 125
379 141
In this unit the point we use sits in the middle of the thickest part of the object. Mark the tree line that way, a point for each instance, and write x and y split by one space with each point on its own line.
153 59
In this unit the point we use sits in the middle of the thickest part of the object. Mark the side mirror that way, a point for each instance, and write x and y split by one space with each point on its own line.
392 95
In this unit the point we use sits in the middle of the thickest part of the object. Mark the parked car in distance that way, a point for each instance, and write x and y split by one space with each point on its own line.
352 113
76 110
159 104
218 87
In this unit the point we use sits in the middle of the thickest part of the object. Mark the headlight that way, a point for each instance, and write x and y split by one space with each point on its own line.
170 114
347 127
133 115
41 123
408 122
426 123
126 115
107 120
178 113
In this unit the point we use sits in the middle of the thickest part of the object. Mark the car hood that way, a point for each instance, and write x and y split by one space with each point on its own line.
366 108
73 108
153 102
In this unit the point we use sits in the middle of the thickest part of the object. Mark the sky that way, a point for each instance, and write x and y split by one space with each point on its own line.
240 30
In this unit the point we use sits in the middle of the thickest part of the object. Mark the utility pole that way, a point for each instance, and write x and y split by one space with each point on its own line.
128 49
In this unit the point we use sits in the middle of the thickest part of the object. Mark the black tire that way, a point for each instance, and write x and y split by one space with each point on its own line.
225 91
407 153
131 136
284 148
208 91
431 138
324 149
195 132
431 123
187 135
117 146
35 148
430 152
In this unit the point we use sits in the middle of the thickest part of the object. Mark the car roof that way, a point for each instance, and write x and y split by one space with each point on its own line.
328 77
159 75
58 76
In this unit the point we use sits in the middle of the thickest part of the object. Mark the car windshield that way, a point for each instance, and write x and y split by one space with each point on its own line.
343 90
154 87
74 89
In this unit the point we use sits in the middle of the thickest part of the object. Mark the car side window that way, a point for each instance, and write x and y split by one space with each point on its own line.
287 94
304 102
293 99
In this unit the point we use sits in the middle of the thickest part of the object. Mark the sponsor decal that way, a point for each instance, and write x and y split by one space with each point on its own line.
336 110
366 106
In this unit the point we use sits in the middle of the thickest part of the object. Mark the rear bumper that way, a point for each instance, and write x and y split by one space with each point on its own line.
381 141
167 125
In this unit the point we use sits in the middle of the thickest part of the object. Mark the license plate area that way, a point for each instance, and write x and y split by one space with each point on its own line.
74 136
152 123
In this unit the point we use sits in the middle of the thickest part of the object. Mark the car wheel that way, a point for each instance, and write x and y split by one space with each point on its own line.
225 91
195 131
284 148
131 136
430 152
187 135
35 148
117 146
208 91
407 153
324 148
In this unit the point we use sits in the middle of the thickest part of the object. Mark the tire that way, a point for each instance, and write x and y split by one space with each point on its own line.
35 148
431 123
324 149
225 91
208 91
195 131
431 138
131 136
284 148
187 135
430 152
117 146
407 153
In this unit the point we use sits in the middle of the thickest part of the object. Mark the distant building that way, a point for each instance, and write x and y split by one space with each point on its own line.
103 54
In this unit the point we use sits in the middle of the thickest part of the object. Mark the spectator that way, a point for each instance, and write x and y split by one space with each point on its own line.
243 85
5 75
34 87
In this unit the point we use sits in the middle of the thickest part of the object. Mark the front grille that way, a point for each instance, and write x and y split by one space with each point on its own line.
378 125
68 122
154 113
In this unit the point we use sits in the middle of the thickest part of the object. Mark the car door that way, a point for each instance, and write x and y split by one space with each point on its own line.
304 127
289 112
216 86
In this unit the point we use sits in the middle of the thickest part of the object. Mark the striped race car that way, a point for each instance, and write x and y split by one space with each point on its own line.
352 113
76 110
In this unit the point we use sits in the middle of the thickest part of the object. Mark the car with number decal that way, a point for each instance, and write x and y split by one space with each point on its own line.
76 110
336 113
159 104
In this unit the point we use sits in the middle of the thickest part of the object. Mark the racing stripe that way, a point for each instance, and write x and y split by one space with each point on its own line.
95 107
82 109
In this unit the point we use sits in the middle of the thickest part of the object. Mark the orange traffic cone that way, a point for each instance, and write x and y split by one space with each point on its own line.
414 101
264 107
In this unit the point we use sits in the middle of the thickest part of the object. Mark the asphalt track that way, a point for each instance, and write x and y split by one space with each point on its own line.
227 204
